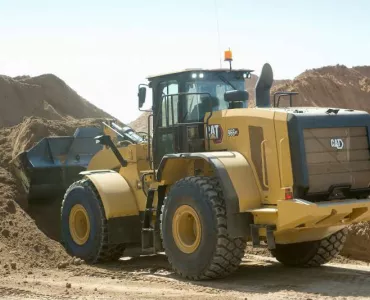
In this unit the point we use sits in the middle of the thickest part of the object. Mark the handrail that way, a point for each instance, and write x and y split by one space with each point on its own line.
282 94
151 161
263 163
281 162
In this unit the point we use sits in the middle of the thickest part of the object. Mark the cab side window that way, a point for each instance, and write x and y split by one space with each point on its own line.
169 107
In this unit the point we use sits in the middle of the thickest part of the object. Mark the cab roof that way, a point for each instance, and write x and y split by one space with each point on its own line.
199 70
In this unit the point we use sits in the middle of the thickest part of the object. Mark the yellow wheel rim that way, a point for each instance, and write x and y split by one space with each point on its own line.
79 224
186 229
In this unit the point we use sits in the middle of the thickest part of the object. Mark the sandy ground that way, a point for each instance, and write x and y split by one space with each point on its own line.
150 277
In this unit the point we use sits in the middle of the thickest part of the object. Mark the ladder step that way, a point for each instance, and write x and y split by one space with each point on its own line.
150 250
269 235
147 229
150 209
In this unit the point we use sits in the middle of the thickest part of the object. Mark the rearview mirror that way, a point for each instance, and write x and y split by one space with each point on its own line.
236 96
141 95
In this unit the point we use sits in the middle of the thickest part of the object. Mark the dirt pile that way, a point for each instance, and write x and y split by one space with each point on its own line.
45 96
358 242
21 241
141 123
331 86
33 108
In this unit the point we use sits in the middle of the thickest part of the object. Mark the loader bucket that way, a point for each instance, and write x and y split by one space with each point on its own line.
48 168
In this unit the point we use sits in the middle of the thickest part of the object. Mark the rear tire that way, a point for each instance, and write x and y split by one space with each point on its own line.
203 250
88 242
311 254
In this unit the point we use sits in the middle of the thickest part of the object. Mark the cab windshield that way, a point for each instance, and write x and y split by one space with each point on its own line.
198 105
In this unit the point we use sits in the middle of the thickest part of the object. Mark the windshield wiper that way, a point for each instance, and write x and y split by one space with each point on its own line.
226 81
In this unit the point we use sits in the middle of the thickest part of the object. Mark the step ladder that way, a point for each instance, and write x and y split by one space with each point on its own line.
150 233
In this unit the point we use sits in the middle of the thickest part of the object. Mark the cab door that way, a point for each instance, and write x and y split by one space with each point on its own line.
167 116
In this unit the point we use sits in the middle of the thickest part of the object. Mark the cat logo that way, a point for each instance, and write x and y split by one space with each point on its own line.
215 133
337 143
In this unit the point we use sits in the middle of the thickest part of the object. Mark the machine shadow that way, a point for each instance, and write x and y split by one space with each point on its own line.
46 216
260 277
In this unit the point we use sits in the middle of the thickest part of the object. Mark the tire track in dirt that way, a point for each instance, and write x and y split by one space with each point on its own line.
150 277
257 276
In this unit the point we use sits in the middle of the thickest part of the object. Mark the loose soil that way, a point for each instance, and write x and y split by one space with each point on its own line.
150 277
45 96
22 243
33 108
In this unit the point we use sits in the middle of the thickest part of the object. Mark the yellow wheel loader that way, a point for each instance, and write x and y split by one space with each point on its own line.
216 174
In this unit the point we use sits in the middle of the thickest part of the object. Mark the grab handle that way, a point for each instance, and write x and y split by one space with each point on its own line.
263 163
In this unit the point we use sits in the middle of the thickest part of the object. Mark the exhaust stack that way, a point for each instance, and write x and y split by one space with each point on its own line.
263 86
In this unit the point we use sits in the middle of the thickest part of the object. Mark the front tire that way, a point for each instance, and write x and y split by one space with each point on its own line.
84 227
194 230
313 253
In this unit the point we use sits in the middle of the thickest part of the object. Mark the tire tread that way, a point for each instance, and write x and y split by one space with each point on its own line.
106 252
321 252
229 251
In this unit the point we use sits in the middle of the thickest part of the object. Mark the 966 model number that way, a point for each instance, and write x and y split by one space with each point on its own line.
233 132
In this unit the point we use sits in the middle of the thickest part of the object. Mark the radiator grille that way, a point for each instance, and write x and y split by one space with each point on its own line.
337 156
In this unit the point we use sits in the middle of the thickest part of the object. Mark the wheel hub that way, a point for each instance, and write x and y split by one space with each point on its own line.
186 229
79 224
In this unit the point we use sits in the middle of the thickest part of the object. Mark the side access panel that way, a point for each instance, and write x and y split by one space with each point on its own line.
119 204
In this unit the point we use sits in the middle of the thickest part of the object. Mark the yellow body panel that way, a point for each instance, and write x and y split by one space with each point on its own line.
236 166
283 150
176 169
105 159
300 220
242 177
294 213
115 193
136 155
131 174
241 119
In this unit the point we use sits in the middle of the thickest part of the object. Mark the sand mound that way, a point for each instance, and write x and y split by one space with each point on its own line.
44 96
22 244
21 240
332 86
141 123
35 107
358 242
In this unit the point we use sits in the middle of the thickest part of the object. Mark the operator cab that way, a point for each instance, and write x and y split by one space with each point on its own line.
180 101
201 89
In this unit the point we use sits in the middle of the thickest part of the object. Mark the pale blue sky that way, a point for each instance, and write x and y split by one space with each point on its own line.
104 49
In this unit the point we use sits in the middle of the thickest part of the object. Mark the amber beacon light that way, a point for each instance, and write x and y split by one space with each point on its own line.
228 56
